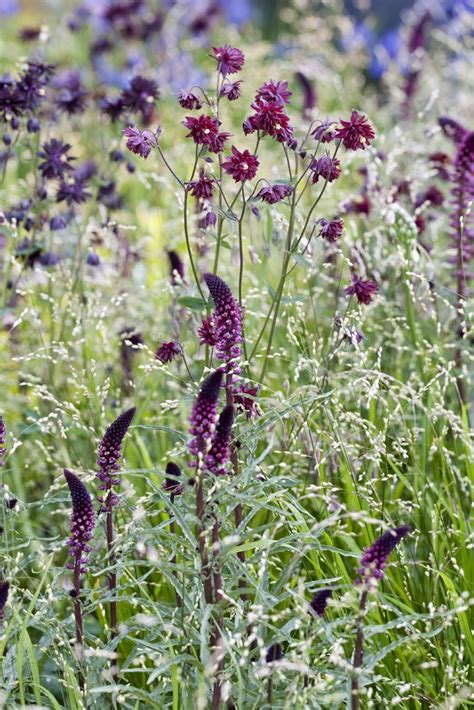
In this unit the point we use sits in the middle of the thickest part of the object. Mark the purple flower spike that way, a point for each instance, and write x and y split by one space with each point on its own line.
110 452
319 602
82 521
461 219
452 129
204 413
3 440
4 589
171 483
375 557
220 448
227 319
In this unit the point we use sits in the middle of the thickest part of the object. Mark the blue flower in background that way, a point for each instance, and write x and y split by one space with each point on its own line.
238 12
384 51
9 7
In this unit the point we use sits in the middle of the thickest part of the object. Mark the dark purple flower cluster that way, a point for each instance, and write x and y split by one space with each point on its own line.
4 589
229 59
207 332
363 290
356 132
242 165
204 414
71 96
326 167
204 130
319 602
56 159
375 557
140 142
269 115
109 454
82 522
324 131
331 230
245 397
231 90
203 187
274 193
166 352
218 455
189 100
227 319
22 96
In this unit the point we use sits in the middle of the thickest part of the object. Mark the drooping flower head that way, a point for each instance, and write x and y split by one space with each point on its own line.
189 100
207 332
356 132
331 230
324 132
326 167
82 521
3 441
110 452
363 290
319 602
218 455
242 165
231 90
227 319
166 352
140 142
4 589
172 483
229 59
375 557
274 193
204 414
201 188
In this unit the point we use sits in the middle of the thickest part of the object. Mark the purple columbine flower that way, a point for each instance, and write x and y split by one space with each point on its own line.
231 90
202 129
326 167
3 441
363 290
140 142
274 653
227 319
204 414
140 97
242 165
109 454
271 119
203 187
172 483
82 522
324 132
229 59
71 95
274 91
274 193
356 132
189 100
4 589
54 155
166 352
375 557
331 230
319 602
220 447
246 397
207 331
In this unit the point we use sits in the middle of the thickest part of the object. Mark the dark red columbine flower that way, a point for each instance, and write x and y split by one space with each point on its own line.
207 331
217 144
326 167
375 557
82 522
331 231
202 129
227 319
274 653
432 195
364 291
3 441
219 452
359 205
176 267
203 187
204 413
242 165
140 97
324 132
172 482
56 161
355 133
189 100
140 142
271 119
166 352
274 91
4 589
109 454
231 90
319 602
246 398
274 193
229 59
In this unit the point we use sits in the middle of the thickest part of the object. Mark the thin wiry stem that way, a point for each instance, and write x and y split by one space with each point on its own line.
358 653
